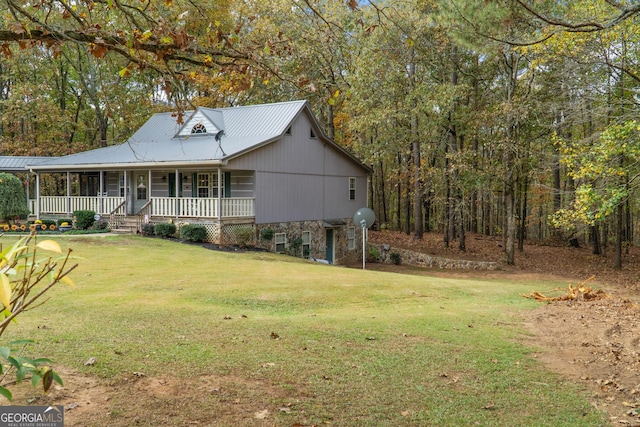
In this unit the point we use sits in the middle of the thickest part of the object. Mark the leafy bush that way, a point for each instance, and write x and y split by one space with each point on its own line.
294 246
84 219
267 233
147 230
193 233
164 230
372 253
101 225
395 258
13 201
244 236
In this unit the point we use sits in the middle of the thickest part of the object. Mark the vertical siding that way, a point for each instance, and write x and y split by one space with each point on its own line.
300 178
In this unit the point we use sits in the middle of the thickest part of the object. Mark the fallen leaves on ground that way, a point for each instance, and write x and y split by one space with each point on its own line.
574 293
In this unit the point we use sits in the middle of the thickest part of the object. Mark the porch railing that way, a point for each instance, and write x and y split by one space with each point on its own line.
183 207
67 205
194 207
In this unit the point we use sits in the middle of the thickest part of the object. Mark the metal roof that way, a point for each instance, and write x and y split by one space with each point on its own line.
18 163
157 141
163 142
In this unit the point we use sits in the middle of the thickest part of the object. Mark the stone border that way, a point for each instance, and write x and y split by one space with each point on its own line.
419 259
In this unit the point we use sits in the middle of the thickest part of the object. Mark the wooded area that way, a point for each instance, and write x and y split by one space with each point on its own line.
505 117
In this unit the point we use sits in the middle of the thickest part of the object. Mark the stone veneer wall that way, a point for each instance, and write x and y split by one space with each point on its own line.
422 260
293 230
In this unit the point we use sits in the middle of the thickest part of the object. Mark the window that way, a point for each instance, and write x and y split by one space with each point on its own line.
306 244
352 188
207 185
198 128
281 242
312 134
203 185
141 188
121 185
351 238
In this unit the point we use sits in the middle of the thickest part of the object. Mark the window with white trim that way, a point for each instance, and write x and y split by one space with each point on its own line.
203 185
352 188
306 244
281 242
207 185
351 238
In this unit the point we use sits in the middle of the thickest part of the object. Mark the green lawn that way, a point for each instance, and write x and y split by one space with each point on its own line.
312 344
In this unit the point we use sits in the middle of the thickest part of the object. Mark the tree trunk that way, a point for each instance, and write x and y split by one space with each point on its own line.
617 261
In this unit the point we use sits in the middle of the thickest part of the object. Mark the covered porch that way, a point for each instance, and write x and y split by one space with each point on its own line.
178 194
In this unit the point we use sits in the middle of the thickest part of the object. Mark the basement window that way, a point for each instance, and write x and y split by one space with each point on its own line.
351 238
306 244
281 242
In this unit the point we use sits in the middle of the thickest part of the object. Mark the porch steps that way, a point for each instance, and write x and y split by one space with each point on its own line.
127 226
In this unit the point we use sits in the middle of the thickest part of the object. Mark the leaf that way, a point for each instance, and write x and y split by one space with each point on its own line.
47 380
57 378
50 245
5 393
97 50
5 291
68 281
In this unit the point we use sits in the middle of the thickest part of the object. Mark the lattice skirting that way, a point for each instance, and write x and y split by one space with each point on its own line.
238 234
228 234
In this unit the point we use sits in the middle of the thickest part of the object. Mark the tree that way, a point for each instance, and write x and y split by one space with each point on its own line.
13 201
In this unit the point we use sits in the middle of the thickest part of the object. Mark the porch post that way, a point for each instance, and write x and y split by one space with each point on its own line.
68 193
178 185
37 212
101 194
219 193
126 192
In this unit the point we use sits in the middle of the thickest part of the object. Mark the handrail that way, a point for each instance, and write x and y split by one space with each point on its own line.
143 212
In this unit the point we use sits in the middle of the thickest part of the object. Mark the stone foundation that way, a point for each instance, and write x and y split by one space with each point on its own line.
423 260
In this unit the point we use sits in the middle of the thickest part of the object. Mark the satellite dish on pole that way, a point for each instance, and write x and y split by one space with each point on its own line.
364 217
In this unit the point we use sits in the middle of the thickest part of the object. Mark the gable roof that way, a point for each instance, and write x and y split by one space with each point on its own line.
161 141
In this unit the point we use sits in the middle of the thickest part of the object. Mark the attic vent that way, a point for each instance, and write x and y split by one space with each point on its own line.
199 128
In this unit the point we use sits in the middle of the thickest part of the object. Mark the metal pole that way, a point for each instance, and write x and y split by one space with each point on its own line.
363 223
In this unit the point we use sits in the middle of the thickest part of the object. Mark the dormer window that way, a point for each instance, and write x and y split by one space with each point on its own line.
198 128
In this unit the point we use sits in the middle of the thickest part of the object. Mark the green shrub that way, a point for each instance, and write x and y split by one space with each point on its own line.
267 233
147 230
372 253
395 258
193 233
164 229
84 219
243 236
294 246
101 225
